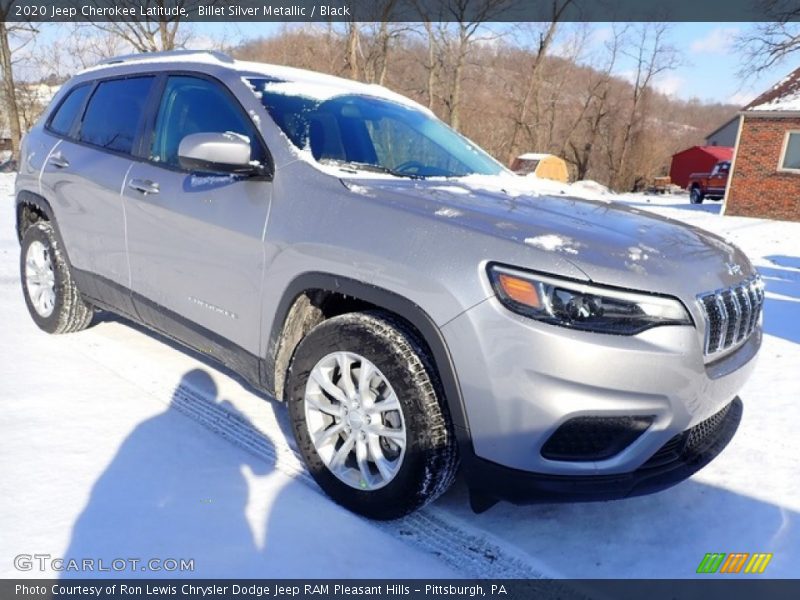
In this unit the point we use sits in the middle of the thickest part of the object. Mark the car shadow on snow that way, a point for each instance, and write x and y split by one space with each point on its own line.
782 306
170 494
175 492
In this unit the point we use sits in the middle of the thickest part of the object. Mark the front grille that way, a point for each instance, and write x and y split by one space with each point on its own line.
693 440
732 314
705 432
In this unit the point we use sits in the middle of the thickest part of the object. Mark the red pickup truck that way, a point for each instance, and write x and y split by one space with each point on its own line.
709 185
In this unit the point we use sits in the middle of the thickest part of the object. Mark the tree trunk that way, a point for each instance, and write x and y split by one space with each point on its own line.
431 65
384 35
352 49
9 89
455 96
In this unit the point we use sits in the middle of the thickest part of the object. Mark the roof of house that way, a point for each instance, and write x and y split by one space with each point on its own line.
784 96
718 152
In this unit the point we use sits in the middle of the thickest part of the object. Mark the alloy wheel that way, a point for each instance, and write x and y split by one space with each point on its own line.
40 278
355 420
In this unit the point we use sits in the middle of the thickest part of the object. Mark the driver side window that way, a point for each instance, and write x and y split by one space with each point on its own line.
194 105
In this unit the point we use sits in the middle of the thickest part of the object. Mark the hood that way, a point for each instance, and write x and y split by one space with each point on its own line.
610 242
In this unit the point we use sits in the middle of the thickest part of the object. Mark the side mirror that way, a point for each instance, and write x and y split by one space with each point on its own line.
217 153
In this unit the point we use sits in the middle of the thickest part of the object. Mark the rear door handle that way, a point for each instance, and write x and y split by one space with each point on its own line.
144 186
58 161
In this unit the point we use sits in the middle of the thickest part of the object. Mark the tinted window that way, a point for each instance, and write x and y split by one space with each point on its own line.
192 105
791 158
113 113
65 115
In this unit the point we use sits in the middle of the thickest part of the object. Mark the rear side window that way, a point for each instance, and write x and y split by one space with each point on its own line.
64 117
193 105
113 114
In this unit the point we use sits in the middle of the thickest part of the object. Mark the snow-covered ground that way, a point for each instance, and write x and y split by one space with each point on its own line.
115 443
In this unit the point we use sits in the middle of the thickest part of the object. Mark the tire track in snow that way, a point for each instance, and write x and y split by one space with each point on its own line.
470 554
466 550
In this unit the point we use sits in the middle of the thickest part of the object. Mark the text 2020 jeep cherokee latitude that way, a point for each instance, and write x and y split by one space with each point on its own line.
347 252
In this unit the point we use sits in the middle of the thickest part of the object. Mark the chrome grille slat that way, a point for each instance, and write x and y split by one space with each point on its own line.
731 314
737 311
751 292
747 313
723 325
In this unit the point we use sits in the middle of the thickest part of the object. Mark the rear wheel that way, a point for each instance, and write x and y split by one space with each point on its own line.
368 416
696 195
52 298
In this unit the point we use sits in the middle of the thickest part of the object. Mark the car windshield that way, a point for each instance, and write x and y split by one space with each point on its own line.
365 133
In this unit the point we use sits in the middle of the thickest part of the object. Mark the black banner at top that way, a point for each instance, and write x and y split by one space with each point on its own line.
464 11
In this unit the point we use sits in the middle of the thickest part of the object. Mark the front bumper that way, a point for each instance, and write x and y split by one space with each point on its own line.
522 380
677 460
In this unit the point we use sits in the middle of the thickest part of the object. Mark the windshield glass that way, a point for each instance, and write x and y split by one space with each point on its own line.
357 132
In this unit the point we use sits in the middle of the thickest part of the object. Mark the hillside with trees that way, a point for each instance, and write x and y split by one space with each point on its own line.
559 88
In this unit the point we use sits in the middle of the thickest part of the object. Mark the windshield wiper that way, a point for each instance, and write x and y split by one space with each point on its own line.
355 166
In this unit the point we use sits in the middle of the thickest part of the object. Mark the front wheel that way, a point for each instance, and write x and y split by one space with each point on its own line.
368 415
696 195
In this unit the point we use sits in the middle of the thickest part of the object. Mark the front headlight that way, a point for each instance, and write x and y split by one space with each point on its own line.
583 306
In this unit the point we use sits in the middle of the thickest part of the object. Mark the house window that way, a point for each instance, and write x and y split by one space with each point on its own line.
790 157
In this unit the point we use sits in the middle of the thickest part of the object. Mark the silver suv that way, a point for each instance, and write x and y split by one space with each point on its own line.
416 308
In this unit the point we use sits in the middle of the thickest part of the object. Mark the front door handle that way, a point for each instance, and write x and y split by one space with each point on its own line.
58 161
144 186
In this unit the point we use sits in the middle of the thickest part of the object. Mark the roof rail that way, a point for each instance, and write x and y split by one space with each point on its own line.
220 56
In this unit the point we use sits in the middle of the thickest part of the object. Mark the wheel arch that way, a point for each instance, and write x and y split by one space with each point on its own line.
315 296
30 208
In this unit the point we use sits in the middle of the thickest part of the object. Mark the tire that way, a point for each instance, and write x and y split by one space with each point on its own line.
696 195
414 472
52 298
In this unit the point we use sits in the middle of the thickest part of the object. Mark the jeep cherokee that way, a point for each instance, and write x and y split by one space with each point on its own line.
348 253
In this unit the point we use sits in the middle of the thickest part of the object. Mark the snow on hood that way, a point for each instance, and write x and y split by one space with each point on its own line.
610 242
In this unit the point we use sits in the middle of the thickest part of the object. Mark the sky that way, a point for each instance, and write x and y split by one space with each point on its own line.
712 64
709 69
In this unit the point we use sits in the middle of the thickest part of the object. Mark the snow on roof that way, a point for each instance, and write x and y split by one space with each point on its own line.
533 156
320 86
784 96
295 81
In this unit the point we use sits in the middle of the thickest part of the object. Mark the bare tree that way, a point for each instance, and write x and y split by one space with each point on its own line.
13 37
652 55
594 110
469 16
75 46
433 60
158 33
380 38
545 39
768 43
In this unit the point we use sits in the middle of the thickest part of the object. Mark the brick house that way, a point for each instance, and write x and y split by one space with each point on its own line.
765 174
